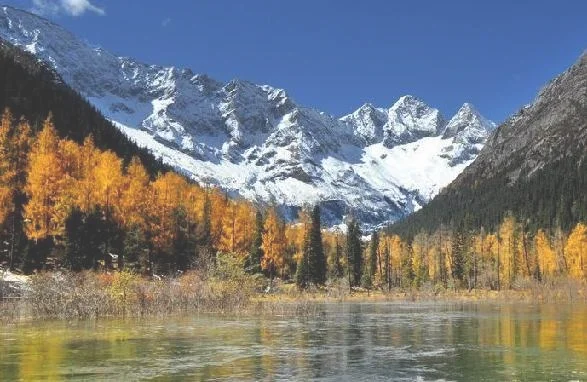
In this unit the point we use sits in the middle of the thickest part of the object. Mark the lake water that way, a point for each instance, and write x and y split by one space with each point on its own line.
369 342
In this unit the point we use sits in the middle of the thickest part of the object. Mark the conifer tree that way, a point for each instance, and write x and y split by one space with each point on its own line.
373 255
337 268
14 147
256 253
183 239
206 231
315 250
303 276
354 251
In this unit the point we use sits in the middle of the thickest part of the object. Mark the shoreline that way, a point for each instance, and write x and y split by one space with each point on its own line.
221 297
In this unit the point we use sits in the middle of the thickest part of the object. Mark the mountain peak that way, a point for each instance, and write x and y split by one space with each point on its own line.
407 100
411 119
468 118
254 139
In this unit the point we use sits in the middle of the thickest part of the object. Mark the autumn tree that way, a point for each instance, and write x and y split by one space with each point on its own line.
46 209
575 252
420 249
274 244
546 254
14 147
335 254
368 277
508 240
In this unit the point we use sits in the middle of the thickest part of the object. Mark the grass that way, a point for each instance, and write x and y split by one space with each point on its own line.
91 295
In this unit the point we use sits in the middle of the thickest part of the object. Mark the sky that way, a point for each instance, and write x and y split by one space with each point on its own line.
337 55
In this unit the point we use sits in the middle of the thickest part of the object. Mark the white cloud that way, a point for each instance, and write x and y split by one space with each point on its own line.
166 21
68 7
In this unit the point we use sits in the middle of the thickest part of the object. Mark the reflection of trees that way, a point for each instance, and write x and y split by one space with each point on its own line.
499 342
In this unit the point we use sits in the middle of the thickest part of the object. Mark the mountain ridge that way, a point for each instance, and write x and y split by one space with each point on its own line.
534 166
255 140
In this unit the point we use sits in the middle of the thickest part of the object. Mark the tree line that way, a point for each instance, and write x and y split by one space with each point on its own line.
76 206
71 205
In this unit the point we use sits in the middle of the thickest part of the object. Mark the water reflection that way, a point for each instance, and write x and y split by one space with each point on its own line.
353 342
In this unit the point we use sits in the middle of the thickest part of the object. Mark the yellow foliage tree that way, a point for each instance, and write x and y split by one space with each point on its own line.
135 191
6 172
546 255
108 182
508 249
218 203
575 252
274 243
14 146
168 193
45 185
237 228
88 157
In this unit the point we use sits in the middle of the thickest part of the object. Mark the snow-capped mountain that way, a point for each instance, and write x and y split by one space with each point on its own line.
257 142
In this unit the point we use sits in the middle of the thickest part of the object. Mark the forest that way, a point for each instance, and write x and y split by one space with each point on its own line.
68 205
76 194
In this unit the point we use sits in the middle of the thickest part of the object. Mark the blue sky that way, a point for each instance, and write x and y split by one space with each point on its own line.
336 55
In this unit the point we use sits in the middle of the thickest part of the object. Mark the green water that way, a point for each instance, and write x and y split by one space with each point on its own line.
369 342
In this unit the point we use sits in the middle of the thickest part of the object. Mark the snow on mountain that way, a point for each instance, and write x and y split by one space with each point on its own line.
255 141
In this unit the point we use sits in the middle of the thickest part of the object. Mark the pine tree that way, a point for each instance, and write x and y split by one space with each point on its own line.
303 276
387 266
206 231
373 247
183 239
315 250
459 256
354 251
75 242
337 271
14 147
135 249
256 253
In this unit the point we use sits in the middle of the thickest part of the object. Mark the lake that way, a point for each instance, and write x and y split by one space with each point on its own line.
355 342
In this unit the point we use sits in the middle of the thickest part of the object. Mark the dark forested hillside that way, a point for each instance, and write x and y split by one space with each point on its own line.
30 89
533 167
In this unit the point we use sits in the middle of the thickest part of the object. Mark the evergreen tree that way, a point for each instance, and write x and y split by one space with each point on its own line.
315 250
75 244
86 238
337 269
459 256
184 246
135 248
373 254
303 267
387 267
354 251
206 231
253 264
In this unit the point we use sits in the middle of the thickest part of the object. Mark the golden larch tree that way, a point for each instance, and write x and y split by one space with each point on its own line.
135 191
44 186
546 254
575 251
274 243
